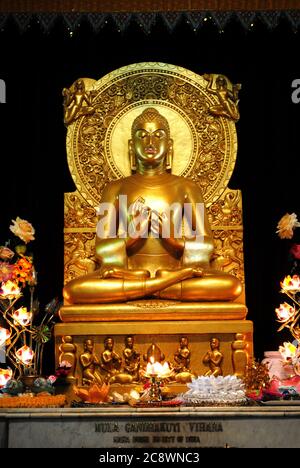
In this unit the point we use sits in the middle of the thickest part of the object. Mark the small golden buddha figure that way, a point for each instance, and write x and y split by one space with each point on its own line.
143 246
214 358
89 363
182 356
131 358
181 367
110 360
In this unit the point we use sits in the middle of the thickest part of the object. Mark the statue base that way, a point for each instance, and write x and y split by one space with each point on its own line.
162 323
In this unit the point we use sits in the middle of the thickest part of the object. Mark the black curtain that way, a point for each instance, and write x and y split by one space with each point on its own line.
36 65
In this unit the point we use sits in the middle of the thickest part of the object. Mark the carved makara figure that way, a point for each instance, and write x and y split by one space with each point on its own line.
151 246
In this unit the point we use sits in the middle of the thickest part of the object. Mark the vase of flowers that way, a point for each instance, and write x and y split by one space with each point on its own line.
24 330
288 312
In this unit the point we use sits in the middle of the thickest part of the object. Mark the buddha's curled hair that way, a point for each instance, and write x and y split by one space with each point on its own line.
150 115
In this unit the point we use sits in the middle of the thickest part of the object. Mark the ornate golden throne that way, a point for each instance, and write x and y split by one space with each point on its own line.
205 148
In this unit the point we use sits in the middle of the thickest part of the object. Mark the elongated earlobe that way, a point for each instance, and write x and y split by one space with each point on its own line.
132 157
169 158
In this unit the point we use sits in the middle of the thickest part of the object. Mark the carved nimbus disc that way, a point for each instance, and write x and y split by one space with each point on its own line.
205 146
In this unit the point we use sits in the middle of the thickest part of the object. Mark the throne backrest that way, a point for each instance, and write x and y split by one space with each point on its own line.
202 119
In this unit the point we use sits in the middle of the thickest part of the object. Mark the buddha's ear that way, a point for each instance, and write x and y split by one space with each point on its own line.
169 159
132 157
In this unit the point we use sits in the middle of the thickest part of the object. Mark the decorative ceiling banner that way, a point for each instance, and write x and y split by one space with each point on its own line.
22 20
146 20
97 20
270 18
47 20
196 18
122 20
246 18
73 19
294 18
171 18
3 19
221 18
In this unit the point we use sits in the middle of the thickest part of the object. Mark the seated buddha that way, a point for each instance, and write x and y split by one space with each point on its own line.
153 236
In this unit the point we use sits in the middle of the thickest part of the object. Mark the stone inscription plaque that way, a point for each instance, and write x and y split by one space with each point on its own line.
150 432
159 433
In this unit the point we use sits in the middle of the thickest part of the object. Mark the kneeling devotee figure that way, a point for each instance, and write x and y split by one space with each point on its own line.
153 235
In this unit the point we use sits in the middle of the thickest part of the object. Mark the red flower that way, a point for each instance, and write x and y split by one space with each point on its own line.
295 251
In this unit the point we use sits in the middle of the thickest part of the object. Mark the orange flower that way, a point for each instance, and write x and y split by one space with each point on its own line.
23 270
22 229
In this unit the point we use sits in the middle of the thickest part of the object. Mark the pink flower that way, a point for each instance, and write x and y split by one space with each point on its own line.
6 253
6 272
295 251
22 229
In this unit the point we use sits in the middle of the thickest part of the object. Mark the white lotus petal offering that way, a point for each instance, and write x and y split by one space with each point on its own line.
215 390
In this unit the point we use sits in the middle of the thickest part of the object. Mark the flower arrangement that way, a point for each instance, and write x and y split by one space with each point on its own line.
22 336
288 313
287 230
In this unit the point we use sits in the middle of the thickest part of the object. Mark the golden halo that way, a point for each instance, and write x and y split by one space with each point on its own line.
205 145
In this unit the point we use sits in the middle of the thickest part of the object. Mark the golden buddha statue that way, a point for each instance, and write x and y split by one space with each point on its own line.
143 249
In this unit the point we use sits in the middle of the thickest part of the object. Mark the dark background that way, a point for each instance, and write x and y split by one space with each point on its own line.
34 173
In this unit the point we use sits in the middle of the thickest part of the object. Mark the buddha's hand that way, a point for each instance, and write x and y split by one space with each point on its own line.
194 271
139 221
122 273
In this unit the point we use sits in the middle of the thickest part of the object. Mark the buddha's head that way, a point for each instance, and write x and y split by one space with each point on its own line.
150 145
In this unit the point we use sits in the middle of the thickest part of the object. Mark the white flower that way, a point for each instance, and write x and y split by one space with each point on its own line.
286 226
22 229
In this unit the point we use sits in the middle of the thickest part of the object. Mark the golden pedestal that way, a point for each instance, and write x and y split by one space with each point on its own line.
205 149
162 323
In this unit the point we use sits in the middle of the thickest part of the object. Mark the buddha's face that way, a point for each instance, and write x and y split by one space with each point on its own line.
151 143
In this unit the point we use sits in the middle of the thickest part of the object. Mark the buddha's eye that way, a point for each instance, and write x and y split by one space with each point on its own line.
141 134
160 134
